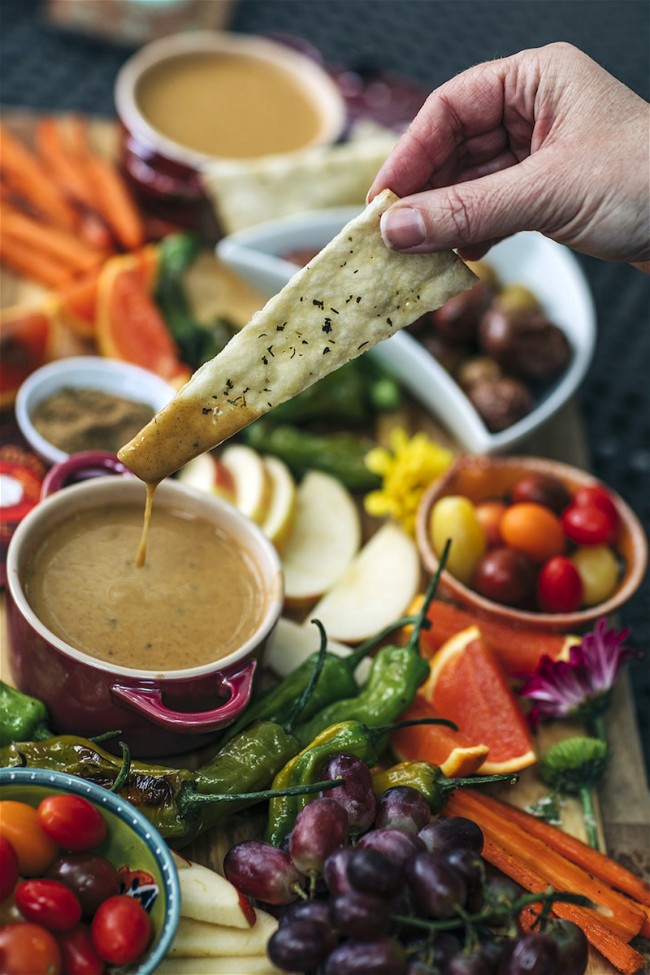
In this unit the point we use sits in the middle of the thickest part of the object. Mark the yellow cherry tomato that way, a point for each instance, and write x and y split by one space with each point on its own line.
532 529
455 518
598 568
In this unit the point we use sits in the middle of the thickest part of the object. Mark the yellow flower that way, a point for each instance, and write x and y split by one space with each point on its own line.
406 468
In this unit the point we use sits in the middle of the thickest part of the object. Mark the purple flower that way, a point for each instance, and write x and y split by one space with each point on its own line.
580 687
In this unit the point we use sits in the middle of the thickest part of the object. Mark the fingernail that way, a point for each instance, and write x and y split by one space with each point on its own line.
402 227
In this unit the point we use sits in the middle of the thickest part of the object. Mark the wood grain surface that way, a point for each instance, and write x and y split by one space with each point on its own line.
623 799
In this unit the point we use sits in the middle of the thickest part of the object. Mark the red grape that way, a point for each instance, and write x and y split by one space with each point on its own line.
320 828
262 871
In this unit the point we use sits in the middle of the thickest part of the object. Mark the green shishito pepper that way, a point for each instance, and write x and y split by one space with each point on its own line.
179 802
430 780
22 718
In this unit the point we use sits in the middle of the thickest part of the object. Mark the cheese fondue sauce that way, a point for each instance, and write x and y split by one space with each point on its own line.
196 598
227 105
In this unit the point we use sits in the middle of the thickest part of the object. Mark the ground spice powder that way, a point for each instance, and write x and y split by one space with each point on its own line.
75 419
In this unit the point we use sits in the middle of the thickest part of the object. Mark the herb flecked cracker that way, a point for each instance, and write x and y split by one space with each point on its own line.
353 294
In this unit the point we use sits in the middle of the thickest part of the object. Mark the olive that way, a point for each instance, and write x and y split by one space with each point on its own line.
505 576
542 489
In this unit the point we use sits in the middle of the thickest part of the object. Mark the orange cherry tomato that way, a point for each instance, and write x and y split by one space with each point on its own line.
489 514
534 530
28 949
19 824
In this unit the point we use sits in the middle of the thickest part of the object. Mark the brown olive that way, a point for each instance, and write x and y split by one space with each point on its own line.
457 320
485 272
542 489
505 576
517 297
500 402
525 343
449 356
476 369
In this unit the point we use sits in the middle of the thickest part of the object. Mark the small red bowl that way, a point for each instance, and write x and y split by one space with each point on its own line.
481 478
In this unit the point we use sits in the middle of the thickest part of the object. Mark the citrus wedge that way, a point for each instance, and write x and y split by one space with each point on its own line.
453 751
468 686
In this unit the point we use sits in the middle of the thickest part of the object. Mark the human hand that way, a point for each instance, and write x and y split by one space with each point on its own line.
544 140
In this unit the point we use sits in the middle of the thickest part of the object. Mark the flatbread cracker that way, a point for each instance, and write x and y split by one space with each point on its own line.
354 293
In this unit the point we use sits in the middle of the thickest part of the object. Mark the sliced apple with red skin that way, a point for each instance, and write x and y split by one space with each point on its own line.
251 479
325 537
207 473
207 896
375 591
281 511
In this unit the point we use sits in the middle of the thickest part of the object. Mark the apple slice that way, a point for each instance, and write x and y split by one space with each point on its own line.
251 479
291 643
207 896
325 537
376 589
282 506
198 939
207 473
227 965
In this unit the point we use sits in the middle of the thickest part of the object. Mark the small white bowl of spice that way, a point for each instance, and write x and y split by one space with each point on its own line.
87 403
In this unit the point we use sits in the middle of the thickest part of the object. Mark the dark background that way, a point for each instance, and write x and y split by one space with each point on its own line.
428 41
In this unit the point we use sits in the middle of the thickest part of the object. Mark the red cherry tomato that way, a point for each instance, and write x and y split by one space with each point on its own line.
587 524
48 902
596 494
544 489
28 949
121 930
19 824
72 821
78 952
8 868
559 586
505 576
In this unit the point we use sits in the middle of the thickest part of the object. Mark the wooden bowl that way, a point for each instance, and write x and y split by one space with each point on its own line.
480 478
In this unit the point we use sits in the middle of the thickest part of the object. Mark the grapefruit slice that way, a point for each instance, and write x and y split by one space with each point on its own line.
453 751
27 337
129 323
467 685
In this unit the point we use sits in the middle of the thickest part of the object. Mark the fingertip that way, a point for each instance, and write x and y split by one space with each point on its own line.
402 227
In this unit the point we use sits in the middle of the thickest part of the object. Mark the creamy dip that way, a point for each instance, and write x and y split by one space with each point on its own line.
197 597
227 105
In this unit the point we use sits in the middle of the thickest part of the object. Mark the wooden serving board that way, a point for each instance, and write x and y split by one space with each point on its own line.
622 802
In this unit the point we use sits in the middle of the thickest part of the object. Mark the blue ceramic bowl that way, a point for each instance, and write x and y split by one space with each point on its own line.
131 842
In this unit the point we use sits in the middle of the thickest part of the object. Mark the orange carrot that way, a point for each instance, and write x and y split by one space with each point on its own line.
28 177
626 918
622 956
38 266
595 862
519 650
61 245
111 195
56 154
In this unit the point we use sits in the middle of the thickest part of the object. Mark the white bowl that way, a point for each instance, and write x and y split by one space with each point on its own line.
85 372
548 269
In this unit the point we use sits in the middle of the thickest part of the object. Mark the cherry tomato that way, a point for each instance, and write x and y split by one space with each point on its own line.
28 949
121 930
78 952
542 489
598 568
48 902
489 514
19 824
72 821
8 868
532 529
92 877
559 586
454 518
587 524
506 576
599 496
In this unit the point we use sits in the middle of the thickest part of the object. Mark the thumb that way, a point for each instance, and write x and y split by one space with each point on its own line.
472 213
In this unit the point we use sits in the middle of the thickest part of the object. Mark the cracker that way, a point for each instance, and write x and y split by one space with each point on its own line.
354 293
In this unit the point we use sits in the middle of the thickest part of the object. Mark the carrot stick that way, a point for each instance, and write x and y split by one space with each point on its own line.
595 862
26 174
37 266
622 956
58 243
112 198
58 157
626 918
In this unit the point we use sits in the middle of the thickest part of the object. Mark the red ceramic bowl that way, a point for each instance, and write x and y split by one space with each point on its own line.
157 713
482 478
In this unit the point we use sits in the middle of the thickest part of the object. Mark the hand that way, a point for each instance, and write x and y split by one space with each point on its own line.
545 140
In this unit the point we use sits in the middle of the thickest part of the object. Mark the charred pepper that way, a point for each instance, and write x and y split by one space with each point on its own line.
22 717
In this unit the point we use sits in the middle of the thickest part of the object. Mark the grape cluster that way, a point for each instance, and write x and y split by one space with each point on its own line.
376 886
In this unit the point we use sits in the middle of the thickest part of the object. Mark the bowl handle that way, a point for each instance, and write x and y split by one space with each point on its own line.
148 701
80 467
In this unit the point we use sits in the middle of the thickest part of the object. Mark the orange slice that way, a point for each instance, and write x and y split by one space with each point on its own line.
453 751
27 337
468 686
